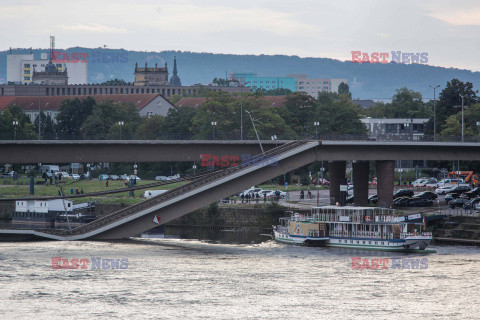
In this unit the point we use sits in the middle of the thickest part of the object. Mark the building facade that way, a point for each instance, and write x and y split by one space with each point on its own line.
20 69
98 89
153 76
391 129
292 82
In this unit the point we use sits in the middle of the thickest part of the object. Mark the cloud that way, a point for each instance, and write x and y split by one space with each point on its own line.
458 17
96 28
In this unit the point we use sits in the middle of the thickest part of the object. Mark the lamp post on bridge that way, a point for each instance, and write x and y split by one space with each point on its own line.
463 123
15 124
434 113
241 111
121 123
214 123
316 124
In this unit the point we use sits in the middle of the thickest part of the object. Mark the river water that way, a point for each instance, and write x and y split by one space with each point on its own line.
231 277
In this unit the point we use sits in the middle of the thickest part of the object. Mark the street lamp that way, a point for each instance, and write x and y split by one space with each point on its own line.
120 123
194 170
478 125
434 113
274 138
214 123
316 124
15 124
256 133
462 106
241 111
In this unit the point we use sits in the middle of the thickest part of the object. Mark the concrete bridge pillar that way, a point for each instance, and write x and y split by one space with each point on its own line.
385 181
360 182
336 172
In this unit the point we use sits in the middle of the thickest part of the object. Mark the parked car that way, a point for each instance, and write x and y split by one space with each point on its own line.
113 177
459 190
443 190
451 196
373 199
160 178
459 202
103 176
75 176
134 177
124 177
426 195
419 182
8 174
251 191
401 201
419 202
472 193
472 204
321 182
450 182
268 193
283 194
403 193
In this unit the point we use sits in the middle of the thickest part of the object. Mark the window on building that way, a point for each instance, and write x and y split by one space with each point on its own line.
34 65
26 71
26 65
390 128
325 83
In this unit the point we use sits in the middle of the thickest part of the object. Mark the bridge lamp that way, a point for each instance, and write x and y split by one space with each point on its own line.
194 170
120 123
274 138
15 124
316 124
214 123
463 123
478 125
434 113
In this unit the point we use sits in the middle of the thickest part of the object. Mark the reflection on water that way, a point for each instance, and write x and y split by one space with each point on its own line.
234 236
231 275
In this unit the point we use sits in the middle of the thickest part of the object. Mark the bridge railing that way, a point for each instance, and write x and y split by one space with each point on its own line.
171 193
405 137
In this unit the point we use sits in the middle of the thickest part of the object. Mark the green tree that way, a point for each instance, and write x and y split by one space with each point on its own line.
47 126
224 108
24 129
151 128
73 114
450 97
408 104
104 121
339 118
452 126
299 112
344 89
115 82
178 121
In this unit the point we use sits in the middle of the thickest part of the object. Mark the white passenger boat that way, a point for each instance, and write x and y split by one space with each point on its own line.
354 228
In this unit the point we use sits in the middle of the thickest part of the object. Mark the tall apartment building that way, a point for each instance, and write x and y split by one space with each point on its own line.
20 68
293 82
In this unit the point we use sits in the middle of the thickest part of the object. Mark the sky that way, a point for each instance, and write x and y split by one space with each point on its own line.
449 31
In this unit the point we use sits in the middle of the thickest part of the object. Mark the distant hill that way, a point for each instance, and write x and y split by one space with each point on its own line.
366 80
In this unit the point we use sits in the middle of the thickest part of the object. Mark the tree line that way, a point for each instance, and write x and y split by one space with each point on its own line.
224 116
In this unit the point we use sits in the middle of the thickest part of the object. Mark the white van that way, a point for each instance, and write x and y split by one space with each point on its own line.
451 182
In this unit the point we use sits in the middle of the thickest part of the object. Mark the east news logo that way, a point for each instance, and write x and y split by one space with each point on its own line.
359 263
95 263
